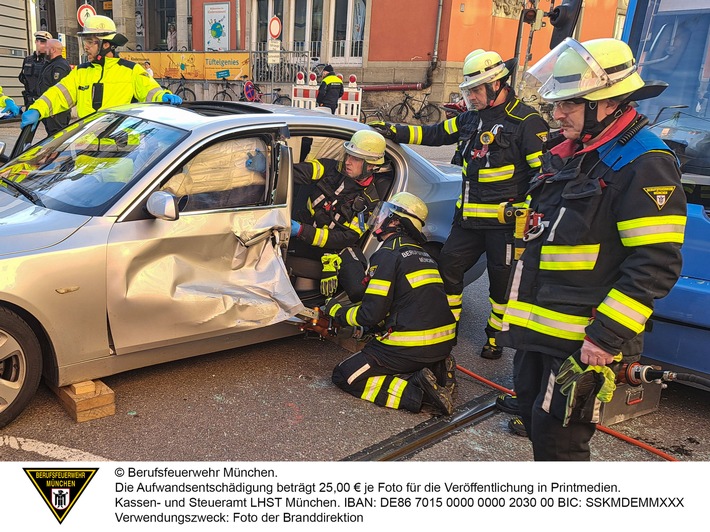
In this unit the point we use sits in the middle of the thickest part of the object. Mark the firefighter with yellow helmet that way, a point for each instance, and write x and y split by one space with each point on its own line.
500 157
104 81
607 225
343 196
407 363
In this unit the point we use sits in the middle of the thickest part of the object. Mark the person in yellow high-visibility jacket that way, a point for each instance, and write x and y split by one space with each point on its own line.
104 81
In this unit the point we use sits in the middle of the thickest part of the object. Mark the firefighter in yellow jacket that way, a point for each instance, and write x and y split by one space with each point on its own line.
104 81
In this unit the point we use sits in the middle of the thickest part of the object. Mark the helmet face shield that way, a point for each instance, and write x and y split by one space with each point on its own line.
567 71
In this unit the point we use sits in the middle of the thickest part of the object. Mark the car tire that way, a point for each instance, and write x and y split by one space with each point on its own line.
20 365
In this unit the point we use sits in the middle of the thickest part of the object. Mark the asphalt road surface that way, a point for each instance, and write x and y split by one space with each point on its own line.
275 402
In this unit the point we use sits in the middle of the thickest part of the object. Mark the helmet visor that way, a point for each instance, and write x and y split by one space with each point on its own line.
567 71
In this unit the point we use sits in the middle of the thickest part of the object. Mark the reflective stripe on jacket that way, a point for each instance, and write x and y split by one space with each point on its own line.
493 173
406 293
124 82
613 228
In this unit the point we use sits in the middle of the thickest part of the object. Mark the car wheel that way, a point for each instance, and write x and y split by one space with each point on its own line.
20 365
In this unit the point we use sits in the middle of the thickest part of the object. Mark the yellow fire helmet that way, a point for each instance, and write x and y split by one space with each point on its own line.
367 145
594 70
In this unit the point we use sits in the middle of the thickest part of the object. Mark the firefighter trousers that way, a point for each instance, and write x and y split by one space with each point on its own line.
461 251
542 409
362 376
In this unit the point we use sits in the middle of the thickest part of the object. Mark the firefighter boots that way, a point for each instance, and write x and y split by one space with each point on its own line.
508 403
491 351
434 394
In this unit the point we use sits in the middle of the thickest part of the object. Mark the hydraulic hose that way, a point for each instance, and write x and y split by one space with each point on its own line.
687 377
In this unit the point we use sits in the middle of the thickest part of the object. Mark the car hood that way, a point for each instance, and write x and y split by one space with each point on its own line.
26 227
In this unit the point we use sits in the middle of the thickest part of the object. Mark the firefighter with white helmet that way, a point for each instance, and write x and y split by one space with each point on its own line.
407 362
500 145
104 81
336 215
607 217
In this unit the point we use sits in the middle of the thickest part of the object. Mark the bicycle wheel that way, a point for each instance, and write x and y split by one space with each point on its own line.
399 113
283 100
430 114
222 96
186 94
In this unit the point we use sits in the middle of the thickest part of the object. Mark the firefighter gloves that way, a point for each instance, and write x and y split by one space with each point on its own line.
387 130
582 387
329 275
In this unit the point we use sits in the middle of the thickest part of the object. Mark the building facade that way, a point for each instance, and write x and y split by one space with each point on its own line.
385 42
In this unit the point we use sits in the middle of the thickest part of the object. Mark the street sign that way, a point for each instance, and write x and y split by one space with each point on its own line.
274 55
84 12
222 74
275 27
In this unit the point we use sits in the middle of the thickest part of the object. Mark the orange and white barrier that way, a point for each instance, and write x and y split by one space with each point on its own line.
304 96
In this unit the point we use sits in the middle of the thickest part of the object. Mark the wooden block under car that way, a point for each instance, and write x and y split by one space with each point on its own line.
91 404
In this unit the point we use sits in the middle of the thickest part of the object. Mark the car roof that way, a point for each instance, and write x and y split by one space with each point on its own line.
207 114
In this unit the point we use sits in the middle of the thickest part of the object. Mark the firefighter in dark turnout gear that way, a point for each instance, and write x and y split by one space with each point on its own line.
104 81
503 153
608 219
54 71
32 67
408 361
339 207
330 90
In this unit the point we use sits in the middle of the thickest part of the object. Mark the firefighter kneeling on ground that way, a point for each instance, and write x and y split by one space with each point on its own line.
610 219
408 362
103 81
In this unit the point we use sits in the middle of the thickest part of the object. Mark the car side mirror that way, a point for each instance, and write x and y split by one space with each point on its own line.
163 206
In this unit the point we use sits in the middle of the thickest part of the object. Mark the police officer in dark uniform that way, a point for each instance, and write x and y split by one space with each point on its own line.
32 67
500 158
330 90
407 363
56 68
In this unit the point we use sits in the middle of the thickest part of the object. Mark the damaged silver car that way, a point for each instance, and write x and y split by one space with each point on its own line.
150 233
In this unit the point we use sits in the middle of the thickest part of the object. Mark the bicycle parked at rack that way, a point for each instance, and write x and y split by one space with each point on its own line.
253 93
181 90
231 92
427 113
376 113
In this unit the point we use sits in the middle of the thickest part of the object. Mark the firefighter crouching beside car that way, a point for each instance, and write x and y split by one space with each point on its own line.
103 81
499 160
407 363
604 242
338 209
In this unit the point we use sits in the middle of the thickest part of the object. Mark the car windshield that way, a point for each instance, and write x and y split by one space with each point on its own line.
86 167
689 137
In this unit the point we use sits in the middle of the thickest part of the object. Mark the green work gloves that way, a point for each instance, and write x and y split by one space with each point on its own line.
329 274
583 386
387 130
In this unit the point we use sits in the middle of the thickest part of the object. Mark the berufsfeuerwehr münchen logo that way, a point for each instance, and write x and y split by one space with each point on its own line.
60 488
